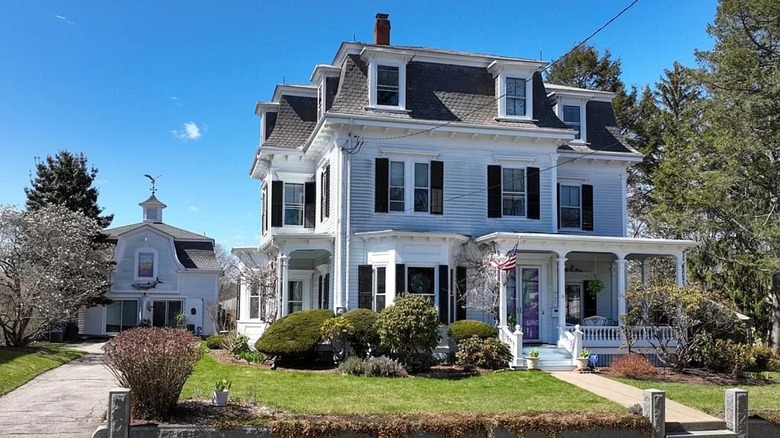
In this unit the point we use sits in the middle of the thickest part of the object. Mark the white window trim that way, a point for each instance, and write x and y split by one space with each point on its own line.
376 287
581 103
542 299
579 186
284 205
306 293
525 192
155 268
380 56
409 186
501 74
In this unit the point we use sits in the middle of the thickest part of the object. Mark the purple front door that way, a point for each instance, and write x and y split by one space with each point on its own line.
529 302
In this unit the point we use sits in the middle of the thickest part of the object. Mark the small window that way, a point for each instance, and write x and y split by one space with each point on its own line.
421 187
325 193
254 300
515 97
513 192
295 291
387 90
571 117
381 289
145 265
571 207
396 186
422 281
293 204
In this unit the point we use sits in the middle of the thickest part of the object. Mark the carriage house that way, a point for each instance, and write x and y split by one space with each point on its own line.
375 175
161 271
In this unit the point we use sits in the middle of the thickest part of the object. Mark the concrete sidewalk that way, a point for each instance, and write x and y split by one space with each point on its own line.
68 401
628 396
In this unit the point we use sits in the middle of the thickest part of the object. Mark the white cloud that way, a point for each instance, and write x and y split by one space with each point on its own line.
194 209
63 18
175 100
191 131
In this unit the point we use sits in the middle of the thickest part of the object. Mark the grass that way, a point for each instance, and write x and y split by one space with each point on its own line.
304 392
709 398
17 366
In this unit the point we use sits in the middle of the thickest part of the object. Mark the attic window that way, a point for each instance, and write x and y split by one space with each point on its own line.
515 97
386 78
387 90
572 117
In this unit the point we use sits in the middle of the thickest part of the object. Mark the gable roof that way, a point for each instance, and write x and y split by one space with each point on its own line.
176 233
293 123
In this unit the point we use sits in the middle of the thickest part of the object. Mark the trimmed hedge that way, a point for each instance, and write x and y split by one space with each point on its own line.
465 329
295 336
214 342
363 333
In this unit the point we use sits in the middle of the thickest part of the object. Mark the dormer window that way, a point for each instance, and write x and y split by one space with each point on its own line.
145 264
515 97
572 117
387 90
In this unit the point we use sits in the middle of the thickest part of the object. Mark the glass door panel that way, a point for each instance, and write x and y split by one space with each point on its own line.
529 287
158 314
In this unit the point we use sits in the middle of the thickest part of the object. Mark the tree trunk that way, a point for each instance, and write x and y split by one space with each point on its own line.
775 295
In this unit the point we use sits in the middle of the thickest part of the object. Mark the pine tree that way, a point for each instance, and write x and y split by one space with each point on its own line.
65 179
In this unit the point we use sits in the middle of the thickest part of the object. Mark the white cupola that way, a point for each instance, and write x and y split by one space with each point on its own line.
152 210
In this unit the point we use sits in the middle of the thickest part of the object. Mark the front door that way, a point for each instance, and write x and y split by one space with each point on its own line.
164 313
528 299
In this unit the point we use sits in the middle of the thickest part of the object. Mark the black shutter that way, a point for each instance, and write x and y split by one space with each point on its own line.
277 203
494 191
589 301
444 294
532 177
309 204
326 291
365 286
400 278
558 197
460 296
319 293
326 189
437 187
381 185
587 207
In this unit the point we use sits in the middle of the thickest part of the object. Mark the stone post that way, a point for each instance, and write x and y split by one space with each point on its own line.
655 410
119 413
736 411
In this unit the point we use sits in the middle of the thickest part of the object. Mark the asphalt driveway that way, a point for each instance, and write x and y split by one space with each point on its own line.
68 401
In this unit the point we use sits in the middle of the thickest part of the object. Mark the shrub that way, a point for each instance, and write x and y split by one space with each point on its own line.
294 337
465 329
251 356
409 330
761 355
774 364
240 345
725 356
381 366
214 342
488 353
154 363
363 336
633 366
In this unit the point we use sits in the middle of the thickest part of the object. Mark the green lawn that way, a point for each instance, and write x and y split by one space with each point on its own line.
328 393
17 366
709 398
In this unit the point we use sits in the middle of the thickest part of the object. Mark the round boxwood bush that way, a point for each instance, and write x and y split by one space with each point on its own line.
490 353
465 329
363 332
215 342
409 330
295 336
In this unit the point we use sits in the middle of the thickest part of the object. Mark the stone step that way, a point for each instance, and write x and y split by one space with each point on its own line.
693 426
723 433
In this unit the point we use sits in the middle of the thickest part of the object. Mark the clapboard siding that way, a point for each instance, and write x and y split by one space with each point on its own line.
608 183
167 269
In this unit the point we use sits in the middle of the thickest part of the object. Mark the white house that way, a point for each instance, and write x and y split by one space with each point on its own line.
160 271
375 174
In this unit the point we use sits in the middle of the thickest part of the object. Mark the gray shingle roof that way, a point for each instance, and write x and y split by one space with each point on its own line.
294 122
441 92
196 255
176 233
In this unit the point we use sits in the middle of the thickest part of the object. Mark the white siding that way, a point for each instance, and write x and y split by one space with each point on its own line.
167 267
200 290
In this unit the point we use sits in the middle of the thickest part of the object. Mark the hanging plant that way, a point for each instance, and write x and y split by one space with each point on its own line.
595 286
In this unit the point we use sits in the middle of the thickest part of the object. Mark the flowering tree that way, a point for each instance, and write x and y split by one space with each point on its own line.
482 289
50 266
260 275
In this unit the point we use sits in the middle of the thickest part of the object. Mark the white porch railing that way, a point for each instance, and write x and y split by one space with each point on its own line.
571 341
513 340
613 336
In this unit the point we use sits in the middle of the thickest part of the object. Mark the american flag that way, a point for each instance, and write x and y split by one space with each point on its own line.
509 263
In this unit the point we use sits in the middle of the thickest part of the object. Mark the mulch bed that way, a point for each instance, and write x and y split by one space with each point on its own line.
698 376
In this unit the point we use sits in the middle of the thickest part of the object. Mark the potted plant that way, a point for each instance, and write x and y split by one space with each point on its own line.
219 396
532 361
583 358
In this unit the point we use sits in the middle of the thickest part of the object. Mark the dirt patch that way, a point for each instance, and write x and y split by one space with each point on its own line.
202 412
450 372
698 376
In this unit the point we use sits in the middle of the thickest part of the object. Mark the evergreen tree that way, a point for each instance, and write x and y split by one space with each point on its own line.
65 179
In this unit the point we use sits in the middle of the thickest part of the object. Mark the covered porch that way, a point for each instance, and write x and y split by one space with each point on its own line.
578 291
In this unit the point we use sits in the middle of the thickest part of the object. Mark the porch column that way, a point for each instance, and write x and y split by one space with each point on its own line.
561 290
621 285
680 269
283 259
645 272
502 298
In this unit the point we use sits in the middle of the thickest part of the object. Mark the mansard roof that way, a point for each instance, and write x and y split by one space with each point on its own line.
293 123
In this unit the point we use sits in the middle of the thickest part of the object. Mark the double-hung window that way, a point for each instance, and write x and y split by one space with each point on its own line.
571 117
571 207
513 192
515 97
397 182
293 204
409 186
325 193
422 185
387 85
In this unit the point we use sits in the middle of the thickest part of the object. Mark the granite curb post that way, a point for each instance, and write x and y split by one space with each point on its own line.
654 408
736 411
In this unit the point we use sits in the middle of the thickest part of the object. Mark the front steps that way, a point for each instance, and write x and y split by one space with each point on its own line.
705 429
551 358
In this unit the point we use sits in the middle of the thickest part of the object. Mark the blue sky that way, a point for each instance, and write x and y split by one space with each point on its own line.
168 88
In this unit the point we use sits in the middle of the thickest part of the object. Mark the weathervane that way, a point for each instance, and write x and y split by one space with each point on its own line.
154 180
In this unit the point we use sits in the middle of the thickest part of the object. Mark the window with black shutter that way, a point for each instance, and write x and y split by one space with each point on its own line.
444 292
587 207
277 203
310 204
325 193
532 185
380 185
494 191
400 279
437 187
365 286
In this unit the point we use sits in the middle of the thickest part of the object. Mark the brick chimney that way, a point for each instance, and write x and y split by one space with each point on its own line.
382 30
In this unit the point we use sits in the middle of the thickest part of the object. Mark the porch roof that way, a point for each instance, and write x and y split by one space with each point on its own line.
566 243
389 234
